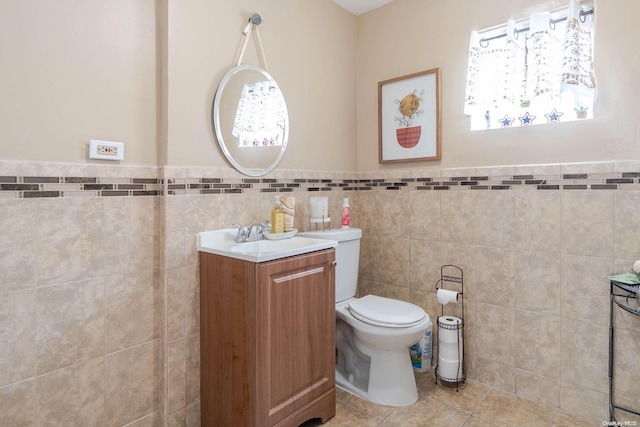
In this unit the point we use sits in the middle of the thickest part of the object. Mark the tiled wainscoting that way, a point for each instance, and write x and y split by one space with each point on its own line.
99 294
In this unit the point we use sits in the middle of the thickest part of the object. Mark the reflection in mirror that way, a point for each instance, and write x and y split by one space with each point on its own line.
250 120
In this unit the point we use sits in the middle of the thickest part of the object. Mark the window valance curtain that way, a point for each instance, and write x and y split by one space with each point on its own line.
528 70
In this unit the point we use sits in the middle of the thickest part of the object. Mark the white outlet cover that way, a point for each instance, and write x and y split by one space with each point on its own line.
94 145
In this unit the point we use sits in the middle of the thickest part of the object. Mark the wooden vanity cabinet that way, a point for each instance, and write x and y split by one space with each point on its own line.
267 340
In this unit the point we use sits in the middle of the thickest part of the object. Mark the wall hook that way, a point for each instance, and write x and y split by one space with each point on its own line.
255 19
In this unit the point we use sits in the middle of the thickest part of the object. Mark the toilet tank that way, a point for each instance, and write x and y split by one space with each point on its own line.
347 258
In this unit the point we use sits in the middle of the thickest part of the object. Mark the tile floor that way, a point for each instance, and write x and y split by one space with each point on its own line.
475 405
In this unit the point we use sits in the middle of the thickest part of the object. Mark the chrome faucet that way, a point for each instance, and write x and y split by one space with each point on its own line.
252 233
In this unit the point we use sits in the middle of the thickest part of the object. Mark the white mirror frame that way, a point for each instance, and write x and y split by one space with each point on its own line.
261 160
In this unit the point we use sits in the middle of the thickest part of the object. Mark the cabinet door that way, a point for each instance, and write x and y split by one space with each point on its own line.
295 338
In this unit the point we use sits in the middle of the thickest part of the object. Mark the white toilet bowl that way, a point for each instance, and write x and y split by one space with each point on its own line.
373 334
373 356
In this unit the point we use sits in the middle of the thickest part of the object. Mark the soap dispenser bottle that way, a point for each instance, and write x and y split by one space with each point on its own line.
277 217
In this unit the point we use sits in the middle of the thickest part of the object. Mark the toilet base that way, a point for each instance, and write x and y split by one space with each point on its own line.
384 377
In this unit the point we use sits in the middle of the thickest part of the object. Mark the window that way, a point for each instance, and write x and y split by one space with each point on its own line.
534 71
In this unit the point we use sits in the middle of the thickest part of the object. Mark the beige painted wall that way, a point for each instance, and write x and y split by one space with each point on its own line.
408 36
144 72
74 71
310 49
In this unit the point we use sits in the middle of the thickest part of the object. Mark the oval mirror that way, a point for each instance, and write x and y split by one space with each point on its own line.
250 120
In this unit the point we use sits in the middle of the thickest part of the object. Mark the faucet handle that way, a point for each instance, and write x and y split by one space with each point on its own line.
243 233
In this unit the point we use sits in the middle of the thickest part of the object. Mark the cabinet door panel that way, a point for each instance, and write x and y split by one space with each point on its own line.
295 333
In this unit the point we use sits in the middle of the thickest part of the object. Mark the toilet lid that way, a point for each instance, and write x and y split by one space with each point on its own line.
388 312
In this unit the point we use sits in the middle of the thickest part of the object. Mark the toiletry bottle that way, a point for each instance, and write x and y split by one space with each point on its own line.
277 217
345 213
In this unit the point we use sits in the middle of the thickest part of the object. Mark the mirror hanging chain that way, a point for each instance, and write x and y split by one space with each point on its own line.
254 21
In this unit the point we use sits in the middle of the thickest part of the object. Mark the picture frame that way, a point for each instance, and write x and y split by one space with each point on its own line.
409 120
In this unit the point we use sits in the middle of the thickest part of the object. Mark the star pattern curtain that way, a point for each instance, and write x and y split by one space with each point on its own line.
536 72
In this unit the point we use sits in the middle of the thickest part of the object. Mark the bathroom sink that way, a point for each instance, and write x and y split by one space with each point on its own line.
223 242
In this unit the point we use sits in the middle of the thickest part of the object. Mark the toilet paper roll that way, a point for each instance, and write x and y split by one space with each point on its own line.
450 369
450 351
446 296
450 347
449 328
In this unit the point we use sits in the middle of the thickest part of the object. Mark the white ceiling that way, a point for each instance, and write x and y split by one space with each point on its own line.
358 7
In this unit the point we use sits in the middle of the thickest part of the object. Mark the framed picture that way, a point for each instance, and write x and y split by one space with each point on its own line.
409 123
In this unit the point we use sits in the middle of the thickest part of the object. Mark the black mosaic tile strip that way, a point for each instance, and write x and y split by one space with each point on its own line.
619 181
479 187
19 187
512 182
80 180
548 187
110 193
38 194
604 187
630 174
575 176
146 181
146 193
41 179
501 187
130 187
211 191
521 177
535 181
574 187
94 187
480 178
8 179
441 187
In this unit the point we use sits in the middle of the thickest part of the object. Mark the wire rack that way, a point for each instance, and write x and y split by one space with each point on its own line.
452 278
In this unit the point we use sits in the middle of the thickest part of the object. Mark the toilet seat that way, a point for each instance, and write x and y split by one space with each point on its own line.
386 312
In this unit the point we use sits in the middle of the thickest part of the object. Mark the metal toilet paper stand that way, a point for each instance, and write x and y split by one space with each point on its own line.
454 277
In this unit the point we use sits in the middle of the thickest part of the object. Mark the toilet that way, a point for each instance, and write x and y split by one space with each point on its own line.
373 333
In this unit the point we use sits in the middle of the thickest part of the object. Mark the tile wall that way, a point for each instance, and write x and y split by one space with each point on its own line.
99 295
79 295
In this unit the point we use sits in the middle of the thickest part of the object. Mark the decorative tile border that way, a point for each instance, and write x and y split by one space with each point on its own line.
599 181
78 186
47 186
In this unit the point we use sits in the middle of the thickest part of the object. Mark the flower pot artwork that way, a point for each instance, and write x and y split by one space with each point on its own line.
409 107
409 137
